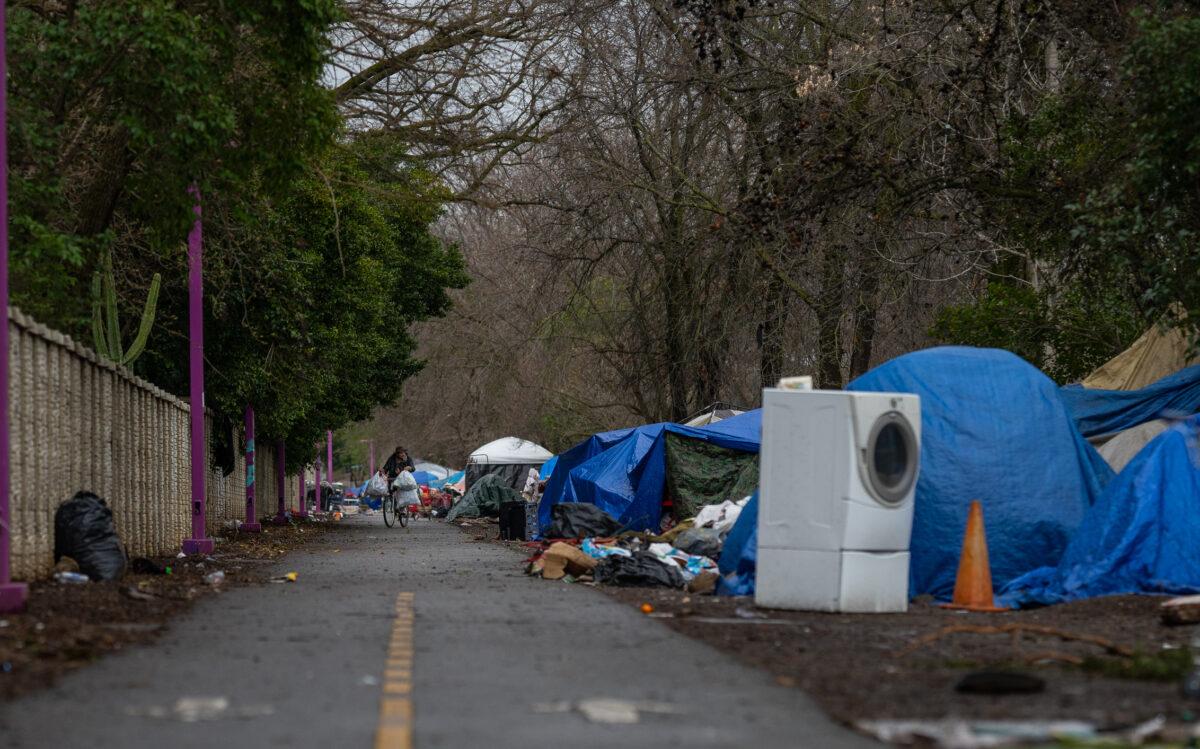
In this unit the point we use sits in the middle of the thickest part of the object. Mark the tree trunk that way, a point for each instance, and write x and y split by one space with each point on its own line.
771 329
829 322
866 315
99 200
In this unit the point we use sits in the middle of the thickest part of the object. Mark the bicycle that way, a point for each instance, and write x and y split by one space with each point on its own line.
394 509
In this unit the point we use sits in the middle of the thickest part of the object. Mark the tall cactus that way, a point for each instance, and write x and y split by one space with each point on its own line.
106 322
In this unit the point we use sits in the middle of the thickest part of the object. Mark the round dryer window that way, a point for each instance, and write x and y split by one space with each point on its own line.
892 457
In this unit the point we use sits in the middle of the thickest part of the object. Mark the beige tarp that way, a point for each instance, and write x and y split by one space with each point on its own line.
1155 355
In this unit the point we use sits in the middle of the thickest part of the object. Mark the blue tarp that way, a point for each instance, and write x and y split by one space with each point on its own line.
453 478
547 469
1140 537
1105 411
425 478
739 555
993 428
623 472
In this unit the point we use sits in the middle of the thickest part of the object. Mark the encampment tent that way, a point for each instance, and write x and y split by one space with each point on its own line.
1141 536
627 472
994 429
510 457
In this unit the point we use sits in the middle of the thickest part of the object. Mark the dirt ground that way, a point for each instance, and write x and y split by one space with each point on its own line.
67 626
907 666
884 666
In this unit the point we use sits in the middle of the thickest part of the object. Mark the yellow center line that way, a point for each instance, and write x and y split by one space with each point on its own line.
395 707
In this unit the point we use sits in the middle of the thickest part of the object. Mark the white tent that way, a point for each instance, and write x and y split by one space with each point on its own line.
511 457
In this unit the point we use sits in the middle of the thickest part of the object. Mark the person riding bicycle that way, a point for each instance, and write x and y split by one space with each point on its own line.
399 461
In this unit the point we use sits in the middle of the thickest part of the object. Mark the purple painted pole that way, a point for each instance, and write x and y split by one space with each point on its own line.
199 543
329 454
251 525
12 595
280 480
317 484
302 512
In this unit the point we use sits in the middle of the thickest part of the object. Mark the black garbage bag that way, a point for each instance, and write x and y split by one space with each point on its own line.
702 542
84 530
642 570
581 520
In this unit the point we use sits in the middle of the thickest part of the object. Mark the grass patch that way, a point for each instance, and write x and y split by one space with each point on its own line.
1165 665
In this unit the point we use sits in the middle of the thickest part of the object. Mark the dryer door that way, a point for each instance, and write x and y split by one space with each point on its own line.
892 458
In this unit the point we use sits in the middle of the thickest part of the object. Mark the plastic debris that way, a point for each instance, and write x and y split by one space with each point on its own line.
196 709
647 608
215 578
609 710
84 530
72 578
581 520
959 734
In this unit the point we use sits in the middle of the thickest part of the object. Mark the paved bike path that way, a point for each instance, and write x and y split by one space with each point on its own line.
499 660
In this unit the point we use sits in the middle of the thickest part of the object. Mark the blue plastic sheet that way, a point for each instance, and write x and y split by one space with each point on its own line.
425 478
1140 537
739 555
547 469
623 472
1099 412
993 428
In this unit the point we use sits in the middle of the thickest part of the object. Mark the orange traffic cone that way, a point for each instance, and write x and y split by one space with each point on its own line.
973 588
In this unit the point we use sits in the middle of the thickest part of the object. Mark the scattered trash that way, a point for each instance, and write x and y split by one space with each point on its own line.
701 542
608 710
144 566
745 612
215 578
72 578
84 530
132 591
562 559
642 568
599 551
959 734
719 517
1185 610
581 520
232 525
3 623
196 709
647 608
703 584
999 682
689 564
181 555
1191 682
369 681
288 578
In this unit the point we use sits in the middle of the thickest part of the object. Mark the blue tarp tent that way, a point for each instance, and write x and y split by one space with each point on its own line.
1140 537
1099 412
425 478
623 472
547 469
993 428
453 478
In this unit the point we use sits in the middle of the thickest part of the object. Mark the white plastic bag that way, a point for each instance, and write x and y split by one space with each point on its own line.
377 486
406 486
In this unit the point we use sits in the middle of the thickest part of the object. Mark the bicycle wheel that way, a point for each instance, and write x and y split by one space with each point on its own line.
389 512
402 515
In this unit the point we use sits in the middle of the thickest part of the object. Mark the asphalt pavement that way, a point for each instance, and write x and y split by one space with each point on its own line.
497 660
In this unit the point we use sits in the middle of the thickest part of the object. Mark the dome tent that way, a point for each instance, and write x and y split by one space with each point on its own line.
511 457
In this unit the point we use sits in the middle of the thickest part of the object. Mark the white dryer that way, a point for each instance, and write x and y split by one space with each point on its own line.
838 471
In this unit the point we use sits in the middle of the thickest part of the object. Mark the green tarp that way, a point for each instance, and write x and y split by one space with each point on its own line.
484 498
700 473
